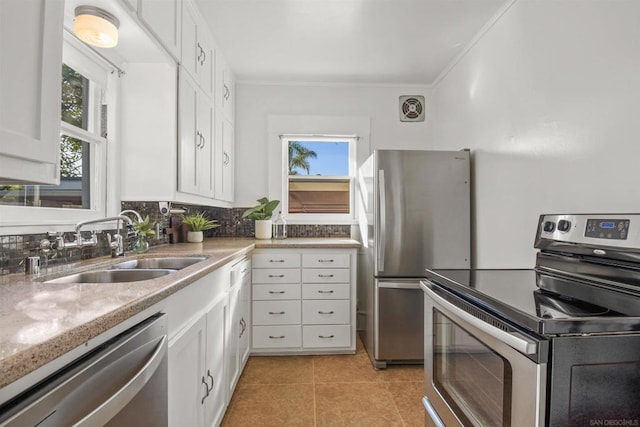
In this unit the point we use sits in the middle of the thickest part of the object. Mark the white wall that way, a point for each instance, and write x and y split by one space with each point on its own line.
548 100
255 102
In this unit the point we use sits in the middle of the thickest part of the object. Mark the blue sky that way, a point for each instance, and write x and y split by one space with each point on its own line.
333 158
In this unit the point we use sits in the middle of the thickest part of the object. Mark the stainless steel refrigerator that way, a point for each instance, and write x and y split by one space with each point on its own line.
414 213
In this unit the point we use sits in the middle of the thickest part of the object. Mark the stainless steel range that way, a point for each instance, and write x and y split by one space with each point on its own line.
556 345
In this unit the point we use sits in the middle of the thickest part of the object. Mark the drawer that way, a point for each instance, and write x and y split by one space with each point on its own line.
276 275
325 260
325 312
276 292
325 275
276 312
325 291
276 336
276 260
326 336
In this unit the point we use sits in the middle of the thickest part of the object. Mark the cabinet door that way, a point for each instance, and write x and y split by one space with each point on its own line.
233 340
187 383
163 17
205 153
190 140
224 162
196 151
244 306
206 60
225 87
189 52
30 70
198 53
217 400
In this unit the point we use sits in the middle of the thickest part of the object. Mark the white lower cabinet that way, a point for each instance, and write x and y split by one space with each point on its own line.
186 367
303 301
197 391
238 326
209 323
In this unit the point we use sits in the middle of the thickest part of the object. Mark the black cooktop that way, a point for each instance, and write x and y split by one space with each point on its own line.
542 302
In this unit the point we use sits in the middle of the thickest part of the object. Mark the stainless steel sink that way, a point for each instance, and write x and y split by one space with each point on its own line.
174 263
113 276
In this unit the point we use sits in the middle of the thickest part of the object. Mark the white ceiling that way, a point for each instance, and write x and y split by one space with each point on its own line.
344 41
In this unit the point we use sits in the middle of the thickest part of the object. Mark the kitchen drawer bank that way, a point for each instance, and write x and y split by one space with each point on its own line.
303 300
47 326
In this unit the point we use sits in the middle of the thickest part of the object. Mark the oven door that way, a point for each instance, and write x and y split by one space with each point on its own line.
479 373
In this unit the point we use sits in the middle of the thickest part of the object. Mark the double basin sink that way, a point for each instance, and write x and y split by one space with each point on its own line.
131 271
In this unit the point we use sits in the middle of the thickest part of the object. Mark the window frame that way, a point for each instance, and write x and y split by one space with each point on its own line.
31 219
326 218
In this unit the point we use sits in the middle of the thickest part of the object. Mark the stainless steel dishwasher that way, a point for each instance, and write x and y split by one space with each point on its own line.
123 382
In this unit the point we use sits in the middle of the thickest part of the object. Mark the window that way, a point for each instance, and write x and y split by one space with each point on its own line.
83 158
319 177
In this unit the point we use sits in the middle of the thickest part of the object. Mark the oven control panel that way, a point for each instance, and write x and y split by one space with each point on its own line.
599 230
607 228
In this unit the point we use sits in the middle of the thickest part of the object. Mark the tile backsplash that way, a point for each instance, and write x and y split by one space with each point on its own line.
15 248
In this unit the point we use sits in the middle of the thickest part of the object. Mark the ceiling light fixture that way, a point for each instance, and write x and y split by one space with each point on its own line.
95 26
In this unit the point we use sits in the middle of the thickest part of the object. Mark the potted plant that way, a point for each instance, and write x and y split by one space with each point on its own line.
262 214
143 229
198 223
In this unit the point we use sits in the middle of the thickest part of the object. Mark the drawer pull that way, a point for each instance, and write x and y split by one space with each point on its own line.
326 336
325 275
276 312
276 338
276 275
276 260
325 292
276 292
326 312
325 260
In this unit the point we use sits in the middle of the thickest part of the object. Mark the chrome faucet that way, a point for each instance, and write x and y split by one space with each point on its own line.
138 216
117 243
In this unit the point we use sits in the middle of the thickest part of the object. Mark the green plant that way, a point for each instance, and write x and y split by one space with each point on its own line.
263 210
198 222
144 228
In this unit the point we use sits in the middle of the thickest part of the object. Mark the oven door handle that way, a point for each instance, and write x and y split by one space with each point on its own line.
512 339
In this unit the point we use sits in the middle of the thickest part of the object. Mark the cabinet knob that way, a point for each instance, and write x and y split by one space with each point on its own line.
326 312
276 338
325 292
326 336
276 292
279 276
276 312
325 275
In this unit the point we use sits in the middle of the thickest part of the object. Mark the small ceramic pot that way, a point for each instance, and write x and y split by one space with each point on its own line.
263 229
194 236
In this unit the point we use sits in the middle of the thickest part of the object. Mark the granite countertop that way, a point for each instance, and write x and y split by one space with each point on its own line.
41 321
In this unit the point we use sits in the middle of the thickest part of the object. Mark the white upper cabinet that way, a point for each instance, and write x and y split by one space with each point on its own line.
196 130
225 87
198 55
30 87
224 159
163 18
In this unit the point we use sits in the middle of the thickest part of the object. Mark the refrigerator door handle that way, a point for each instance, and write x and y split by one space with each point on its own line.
399 285
383 219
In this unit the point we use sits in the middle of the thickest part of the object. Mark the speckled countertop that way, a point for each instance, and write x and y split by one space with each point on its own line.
40 321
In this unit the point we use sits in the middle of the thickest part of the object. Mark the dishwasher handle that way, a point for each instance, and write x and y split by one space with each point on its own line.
115 403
